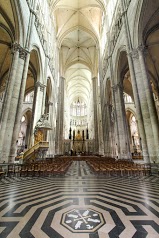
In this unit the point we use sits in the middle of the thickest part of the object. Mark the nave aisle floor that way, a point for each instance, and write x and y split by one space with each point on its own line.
79 205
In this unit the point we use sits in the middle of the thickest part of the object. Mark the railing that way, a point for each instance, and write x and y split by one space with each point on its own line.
30 153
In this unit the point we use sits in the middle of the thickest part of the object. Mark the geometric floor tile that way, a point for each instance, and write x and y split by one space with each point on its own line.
79 205
82 220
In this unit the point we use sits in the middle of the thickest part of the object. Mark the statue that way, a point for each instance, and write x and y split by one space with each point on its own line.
43 123
41 126
78 136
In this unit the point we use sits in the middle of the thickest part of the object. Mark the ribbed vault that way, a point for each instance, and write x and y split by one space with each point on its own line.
78 29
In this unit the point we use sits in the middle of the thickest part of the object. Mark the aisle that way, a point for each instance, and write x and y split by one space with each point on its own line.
79 169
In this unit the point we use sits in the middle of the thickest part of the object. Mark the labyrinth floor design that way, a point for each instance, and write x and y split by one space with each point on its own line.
79 205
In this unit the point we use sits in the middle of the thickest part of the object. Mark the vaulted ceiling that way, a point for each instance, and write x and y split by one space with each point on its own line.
7 33
78 28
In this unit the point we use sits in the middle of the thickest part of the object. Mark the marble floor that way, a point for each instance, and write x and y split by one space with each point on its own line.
79 205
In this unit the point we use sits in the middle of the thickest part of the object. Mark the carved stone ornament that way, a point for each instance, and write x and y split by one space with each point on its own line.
117 86
42 86
43 123
134 54
15 47
22 52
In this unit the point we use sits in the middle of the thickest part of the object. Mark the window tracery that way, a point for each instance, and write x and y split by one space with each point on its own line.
29 97
78 108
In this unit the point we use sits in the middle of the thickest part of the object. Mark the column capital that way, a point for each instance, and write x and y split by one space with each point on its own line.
18 48
117 86
15 47
40 85
134 54
22 53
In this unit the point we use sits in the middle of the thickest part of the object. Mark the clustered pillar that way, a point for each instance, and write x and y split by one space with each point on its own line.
145 108
135 77
146 113
11 115
95 103
60 118
122 142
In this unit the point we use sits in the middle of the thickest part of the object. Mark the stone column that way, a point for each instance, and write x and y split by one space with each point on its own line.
19 110
135 77
43 100
122 130
110 130
144 116
9 91
95 104
46 81
32 6
104 115
106 129
13 105
150 102
100 131
28 134
50 134
60 118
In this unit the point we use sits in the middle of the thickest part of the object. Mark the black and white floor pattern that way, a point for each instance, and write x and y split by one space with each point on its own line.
79 205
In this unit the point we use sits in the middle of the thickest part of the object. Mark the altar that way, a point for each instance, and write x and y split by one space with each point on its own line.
78 145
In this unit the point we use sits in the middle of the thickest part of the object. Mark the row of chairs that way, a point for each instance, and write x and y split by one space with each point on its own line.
2 172
119 168
36 169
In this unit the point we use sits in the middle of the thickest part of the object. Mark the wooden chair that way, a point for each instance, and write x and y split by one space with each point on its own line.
17 169
2 173
49 170
141 170
11 170
42 171
23 170
30 170
148 169
36 169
